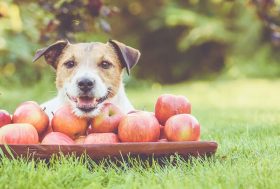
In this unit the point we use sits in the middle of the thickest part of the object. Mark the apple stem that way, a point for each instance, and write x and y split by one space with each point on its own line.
44 108
52 113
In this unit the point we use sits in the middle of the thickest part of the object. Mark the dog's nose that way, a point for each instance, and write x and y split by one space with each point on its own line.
85 84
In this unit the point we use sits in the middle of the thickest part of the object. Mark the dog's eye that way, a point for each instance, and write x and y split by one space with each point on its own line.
69 64
105 65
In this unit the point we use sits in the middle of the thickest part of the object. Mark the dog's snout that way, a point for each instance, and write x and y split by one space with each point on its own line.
85 84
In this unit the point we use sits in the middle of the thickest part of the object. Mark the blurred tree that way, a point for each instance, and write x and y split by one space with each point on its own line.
189 41
178 39
17 39
75 16
196 38
269 12
24 23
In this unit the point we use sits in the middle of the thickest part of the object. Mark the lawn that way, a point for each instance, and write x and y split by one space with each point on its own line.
243 116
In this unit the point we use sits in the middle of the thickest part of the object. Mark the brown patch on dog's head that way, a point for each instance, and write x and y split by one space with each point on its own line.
128 56
90 57
51 53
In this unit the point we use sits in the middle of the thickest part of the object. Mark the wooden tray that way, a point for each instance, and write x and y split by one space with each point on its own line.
114 151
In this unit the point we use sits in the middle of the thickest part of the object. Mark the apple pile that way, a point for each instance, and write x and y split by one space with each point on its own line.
171 121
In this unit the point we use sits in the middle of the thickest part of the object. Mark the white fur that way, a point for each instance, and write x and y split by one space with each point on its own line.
120 100
84 71
72 89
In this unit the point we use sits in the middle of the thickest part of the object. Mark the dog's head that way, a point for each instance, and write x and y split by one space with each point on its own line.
87 74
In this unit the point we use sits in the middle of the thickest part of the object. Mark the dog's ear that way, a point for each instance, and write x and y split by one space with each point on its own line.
51 53
128 55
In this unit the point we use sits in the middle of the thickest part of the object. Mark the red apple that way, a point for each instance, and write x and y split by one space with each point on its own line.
168 105
80 140
57 138
5 118
65 121
101 138
18 133
30 112
139 127
108 119
182 127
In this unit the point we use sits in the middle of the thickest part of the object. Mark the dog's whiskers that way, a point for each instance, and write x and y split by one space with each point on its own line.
109 93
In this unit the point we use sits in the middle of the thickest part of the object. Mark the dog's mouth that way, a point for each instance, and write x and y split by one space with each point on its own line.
87 103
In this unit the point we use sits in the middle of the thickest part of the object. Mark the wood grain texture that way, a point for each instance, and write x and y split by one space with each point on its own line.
115 151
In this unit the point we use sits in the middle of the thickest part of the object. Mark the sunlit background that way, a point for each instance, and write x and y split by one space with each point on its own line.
191 40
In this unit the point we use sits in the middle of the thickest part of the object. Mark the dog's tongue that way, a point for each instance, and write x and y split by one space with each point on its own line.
86 102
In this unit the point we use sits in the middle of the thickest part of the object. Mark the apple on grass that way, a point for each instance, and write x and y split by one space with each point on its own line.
140 126
57 138
5 118
30 112
182 127
168 105
65 121
107 120
101 138
18 133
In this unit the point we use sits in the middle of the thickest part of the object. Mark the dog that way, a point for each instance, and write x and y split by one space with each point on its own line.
89 75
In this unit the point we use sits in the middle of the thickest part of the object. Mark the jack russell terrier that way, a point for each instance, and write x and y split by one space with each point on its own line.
88 75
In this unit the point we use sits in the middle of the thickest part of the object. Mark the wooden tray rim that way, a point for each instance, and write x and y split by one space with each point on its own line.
99 151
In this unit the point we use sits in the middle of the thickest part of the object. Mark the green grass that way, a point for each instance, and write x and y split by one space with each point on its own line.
243 116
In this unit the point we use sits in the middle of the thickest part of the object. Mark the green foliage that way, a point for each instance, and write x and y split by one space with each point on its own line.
179 39
29 25
18 40
200 28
